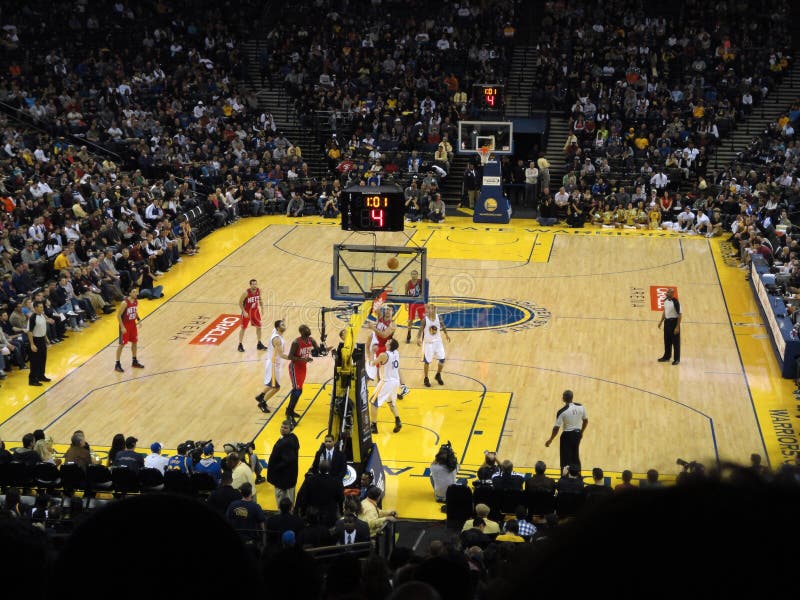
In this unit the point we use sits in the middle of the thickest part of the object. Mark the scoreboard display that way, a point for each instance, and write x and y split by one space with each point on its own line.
489 96
379 208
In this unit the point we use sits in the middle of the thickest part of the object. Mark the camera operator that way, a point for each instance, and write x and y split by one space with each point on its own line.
247 454
443 471
576 215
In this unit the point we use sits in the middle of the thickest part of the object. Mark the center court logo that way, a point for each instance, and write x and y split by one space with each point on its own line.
471 314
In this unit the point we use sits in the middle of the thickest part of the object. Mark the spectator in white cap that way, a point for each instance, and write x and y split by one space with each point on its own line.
155 460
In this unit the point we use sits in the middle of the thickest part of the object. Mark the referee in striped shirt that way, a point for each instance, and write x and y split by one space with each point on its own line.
671 319
573 420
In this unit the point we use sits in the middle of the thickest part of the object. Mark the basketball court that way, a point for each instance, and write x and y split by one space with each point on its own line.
531 311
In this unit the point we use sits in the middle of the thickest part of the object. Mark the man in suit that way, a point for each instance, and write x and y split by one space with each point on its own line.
323 492
328 451
351 530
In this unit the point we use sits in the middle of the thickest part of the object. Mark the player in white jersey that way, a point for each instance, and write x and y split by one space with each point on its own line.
272 368
386 390
430 338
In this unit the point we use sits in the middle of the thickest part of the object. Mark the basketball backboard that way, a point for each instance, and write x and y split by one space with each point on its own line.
364 272
497 135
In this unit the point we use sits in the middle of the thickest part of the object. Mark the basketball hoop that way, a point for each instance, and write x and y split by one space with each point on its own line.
483 154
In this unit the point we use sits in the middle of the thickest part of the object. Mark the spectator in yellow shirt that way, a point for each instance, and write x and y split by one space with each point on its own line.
62 262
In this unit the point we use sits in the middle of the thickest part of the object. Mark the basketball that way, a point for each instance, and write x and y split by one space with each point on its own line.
393 263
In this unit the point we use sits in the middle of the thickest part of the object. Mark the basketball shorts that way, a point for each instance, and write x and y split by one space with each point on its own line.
254 318
433 351
385 391
129 333
272 374
298 376
415 312
372 371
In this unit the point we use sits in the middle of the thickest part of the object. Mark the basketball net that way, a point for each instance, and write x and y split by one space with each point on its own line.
483 154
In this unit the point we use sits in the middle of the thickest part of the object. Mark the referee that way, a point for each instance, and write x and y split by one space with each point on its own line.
572 418
671 319
37 337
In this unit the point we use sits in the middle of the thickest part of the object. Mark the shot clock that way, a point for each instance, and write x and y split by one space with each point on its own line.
379 208
488 96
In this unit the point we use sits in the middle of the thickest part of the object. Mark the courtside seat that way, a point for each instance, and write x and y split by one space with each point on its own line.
458 500
177 482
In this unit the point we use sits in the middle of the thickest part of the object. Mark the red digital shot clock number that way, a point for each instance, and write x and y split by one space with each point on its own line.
375 209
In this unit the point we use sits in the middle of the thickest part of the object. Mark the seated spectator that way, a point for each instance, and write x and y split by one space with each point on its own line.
626 484
147 284
489 468
540 481
129 457
510 533
570 481
221 498
475 534
155 460
507 478
374 516
78 452
209 464
482 512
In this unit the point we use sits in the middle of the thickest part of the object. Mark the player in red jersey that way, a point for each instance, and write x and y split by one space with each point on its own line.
128 316
299 354
251 305
416 310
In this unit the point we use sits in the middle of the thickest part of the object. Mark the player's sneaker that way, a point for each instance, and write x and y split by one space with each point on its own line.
439 379
261 346
427 382
118 368
262 406
373 428
403 392
397 425
240 348
137 365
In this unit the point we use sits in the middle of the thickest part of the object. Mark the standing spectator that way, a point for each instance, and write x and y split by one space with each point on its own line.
544 174
472 185
671 320
323 493
37 337
282 464
572 419
220 499
531 184
335 457
248 519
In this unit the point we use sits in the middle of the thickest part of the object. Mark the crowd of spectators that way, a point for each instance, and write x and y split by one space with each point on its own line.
649 92
484 558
